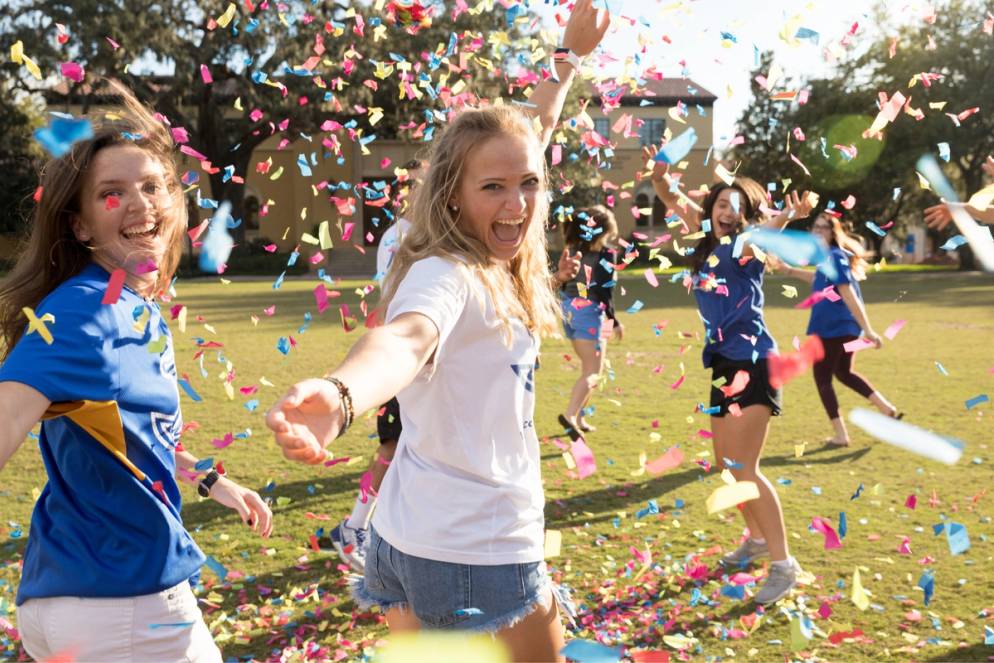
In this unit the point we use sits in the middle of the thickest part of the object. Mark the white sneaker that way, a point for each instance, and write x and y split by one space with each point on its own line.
350 543
778 583
745 554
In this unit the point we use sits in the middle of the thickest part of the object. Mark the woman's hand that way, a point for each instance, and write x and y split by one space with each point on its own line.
569 266
251 508
874 338
306 420
660 169
799 206
583 29
618 330
938 216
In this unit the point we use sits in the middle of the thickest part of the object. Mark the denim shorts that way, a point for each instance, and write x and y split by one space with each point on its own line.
582 324
450 596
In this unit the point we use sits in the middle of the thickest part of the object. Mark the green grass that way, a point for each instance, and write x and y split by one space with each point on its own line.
285 593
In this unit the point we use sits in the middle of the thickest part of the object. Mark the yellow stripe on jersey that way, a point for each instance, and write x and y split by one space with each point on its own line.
102 420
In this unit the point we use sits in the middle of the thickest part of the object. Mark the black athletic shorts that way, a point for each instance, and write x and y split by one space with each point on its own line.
757 392
388 422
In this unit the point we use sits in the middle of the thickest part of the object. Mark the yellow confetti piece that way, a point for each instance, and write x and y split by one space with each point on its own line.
224 19
181 320
568 458
158 346
859 595
729 495
355 460
799 449
308 238
553 543
36 324
789 291
324 236
276 175
229 390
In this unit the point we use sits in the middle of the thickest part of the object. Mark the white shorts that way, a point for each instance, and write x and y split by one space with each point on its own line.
166 626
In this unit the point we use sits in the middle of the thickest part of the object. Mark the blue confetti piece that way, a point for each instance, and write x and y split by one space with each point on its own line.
172 625
927 584
730 37
217 567
58 137
283 345
204 464
588 651
843 525
189 390
988 635
731 464
929 167
958 539
651 509
675 150
876 229
467 612
953 243
217 246
977 400
734 591
795 247
942 369
944 152
279 281
859 491
635 307
807 33
252 405
305 169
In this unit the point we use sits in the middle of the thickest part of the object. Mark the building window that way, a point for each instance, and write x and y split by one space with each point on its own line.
602 125
651 131
251 211
658 211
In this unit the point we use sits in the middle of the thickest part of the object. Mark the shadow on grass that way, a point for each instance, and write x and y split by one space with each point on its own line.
608 500
202 513
975 652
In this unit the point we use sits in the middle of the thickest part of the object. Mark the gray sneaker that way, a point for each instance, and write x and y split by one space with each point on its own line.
778 583
745 554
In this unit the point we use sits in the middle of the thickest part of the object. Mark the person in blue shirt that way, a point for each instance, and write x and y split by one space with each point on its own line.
839 317
587 302
109 561
727 280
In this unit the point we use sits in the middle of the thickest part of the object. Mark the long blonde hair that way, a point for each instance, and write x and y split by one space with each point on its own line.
435 230
51 253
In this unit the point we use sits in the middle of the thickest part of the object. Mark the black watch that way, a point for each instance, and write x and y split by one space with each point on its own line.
205 485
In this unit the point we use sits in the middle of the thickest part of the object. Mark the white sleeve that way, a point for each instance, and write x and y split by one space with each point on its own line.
437 289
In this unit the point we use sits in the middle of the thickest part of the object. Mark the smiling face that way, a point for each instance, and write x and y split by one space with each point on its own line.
728 212
498 192
822 227
124 214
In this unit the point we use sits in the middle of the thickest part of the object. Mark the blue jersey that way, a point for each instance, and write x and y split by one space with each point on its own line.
730 300
107 523
832 319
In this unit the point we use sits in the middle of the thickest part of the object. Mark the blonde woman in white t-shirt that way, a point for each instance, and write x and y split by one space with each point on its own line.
457 542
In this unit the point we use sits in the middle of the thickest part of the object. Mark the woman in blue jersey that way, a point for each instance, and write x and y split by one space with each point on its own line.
108 566
587 303
838 317
727 280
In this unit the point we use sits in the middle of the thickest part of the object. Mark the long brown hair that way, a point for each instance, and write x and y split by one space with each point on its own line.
51 253
577 233
752 199
435 230
843 238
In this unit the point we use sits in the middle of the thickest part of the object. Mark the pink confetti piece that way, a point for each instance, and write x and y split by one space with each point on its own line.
347 231
894 328
669 460
857 345
113 44
180 135
739 383
205 74
831 537
73 71
584 458
911 502
321 297
650 276
114 286
146 267
112 202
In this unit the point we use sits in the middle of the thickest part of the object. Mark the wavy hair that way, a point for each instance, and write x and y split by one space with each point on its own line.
435 229
578 232
50 254
843 238
752 198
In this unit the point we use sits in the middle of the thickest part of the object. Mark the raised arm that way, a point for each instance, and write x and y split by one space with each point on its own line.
21 407
381 363
668 190
795 206
583 33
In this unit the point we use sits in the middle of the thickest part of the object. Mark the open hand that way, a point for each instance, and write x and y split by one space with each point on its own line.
938 216
799 206
585 28
569 266
306 420
251 508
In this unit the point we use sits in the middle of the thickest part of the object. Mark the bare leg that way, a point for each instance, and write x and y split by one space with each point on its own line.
749 435
882 404
402 622
722 431
590 367
841 438
381 462
538 637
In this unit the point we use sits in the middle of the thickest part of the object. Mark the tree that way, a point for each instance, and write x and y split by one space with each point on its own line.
946 59
19 157
241 73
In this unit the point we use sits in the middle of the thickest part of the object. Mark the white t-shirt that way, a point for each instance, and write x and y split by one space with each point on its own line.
465 484
389 243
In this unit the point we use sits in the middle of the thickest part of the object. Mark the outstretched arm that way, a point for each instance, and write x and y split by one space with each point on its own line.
668 190
381 363
583 33
21 407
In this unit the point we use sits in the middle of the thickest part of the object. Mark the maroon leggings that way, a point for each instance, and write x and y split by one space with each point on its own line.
839 363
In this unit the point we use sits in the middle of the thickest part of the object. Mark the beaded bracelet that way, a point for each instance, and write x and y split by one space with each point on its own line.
346 397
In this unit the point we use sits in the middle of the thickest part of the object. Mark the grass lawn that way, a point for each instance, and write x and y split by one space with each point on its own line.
280 593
